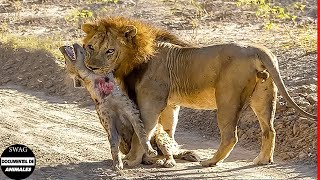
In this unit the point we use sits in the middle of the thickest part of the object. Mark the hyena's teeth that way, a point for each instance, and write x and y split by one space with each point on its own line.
70 52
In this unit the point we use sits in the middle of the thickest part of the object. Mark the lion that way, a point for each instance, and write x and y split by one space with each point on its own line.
161 73
118 114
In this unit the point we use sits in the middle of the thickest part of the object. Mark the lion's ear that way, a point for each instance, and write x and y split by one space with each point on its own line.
88 27
130 31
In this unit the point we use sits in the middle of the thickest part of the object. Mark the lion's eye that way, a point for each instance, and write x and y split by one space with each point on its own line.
90 47
110 51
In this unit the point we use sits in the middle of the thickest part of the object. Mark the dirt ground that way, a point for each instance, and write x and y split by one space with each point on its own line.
40 108
69 143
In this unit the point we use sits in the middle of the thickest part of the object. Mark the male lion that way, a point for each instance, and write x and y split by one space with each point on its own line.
161 75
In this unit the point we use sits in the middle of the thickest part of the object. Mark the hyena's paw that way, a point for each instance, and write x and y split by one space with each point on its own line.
160 162
190 156
148 160
151 152
118 166
169 163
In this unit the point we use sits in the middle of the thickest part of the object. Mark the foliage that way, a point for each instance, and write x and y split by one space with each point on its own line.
272 13
201 11
307 39
77 15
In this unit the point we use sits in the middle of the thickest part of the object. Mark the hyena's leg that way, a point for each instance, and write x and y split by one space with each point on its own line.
263 103
113 137
114 141
165 144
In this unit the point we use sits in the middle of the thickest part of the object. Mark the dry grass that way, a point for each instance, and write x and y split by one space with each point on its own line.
50 44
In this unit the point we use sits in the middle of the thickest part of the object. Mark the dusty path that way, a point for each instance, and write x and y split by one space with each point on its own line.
69 143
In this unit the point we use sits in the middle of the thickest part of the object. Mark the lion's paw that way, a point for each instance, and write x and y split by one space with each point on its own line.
131 163
259 160
208 163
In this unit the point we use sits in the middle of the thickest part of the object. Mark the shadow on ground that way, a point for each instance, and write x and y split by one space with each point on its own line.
37 70
103 170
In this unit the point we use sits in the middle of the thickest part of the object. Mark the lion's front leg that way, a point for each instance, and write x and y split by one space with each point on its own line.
134 157
151 104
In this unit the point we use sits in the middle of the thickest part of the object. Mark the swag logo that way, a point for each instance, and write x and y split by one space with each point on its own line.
18 161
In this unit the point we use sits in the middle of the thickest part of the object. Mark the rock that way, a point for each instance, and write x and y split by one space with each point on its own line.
281 106
291 154
5 80
294 129
302 155
312 98
284 156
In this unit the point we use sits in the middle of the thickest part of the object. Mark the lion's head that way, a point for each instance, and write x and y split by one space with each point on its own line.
120 44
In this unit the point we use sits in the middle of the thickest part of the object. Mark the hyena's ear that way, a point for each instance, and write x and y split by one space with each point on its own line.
89 28
130 32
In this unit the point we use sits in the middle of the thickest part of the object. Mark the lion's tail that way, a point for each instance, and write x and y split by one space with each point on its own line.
270 62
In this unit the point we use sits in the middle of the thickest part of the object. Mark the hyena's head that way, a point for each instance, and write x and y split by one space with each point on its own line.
97 85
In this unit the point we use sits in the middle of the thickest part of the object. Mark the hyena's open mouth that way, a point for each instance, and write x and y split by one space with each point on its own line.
68 52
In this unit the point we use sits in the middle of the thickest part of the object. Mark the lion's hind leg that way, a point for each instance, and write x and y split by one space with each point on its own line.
229 106
263 103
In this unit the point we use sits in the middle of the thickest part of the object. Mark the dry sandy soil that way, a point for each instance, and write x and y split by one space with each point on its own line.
40 108
69 143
